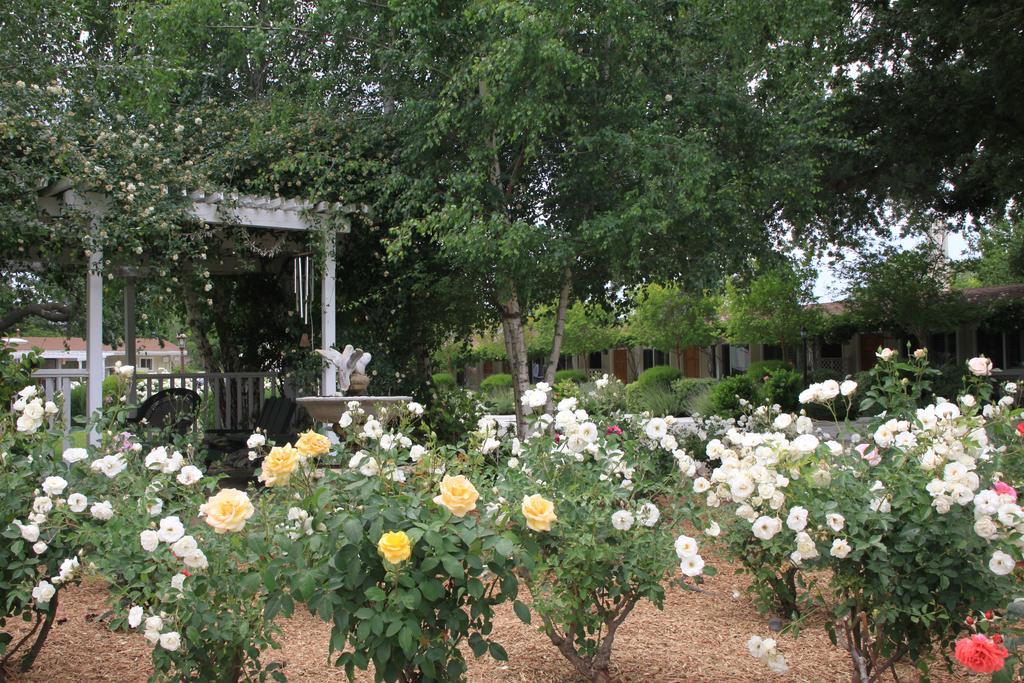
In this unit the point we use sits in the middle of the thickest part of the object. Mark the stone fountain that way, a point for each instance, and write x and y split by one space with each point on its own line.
350 366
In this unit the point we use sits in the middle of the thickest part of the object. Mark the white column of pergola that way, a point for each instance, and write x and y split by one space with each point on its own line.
272 213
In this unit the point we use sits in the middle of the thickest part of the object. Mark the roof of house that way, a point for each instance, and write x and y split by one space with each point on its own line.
994 293
74 347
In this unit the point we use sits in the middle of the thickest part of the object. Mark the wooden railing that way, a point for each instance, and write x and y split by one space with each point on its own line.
230 400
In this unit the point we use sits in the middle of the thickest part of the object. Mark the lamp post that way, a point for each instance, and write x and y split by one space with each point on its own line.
181 350
803 340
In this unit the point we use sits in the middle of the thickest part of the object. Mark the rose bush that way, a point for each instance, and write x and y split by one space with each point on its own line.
913 520
597 523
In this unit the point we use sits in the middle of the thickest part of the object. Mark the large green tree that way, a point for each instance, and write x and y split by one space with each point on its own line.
670 319
929 90
771 307
555 151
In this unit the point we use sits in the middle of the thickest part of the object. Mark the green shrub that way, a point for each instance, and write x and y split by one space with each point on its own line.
443 379
499 380
664 374
451 413
656 398
724 398
783 387
500 401
762 367
824 374
950 381
577 376
688 387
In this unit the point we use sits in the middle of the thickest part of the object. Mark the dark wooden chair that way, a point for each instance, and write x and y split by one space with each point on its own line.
226 447
175 410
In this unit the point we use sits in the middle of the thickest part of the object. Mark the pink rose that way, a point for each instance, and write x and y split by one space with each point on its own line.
873 456
980 654
1004 489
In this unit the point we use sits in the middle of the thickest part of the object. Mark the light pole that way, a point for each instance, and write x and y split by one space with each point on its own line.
181 350
803 340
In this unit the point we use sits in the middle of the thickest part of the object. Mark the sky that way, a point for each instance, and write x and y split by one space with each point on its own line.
829 285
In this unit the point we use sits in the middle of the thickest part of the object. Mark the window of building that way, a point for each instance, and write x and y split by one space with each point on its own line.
146 363
595 361
739 358
831 350
771 352
660 357
565 362
648 358
942 347
1004 348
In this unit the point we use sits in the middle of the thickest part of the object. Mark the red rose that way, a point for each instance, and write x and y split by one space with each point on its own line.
969 621
997 639
988 615
981 655
614 429
1020 428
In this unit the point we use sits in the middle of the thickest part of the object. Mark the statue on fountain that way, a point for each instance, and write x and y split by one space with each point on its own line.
350 365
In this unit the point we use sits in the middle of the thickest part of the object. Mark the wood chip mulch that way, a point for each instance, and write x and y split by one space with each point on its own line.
699 636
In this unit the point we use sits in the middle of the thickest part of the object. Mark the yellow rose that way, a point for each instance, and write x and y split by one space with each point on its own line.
539 512
458 495
227 511
279 465
395 546
311 444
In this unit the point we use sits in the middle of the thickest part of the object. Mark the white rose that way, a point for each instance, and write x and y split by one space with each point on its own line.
835 521
417 452
700 485
39 547
171 529
28 392
765 527
1001 563
54 486
257 440
134 616
980 366
197 559
848 387
805 443
73 455
171 640
840 548
797 519
622 520
43 593
149 540
30 532
189 474
184 546
102 511
686 546
692 565
648 514
985 527
178 582
77 502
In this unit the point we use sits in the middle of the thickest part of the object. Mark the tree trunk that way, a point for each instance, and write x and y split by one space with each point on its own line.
195 325
556 343
515 347
30 657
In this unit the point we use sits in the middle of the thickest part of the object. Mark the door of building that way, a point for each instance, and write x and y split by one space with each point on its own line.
620 364
691 361
869 344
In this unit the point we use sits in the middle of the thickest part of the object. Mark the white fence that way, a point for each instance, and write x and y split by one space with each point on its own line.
230 400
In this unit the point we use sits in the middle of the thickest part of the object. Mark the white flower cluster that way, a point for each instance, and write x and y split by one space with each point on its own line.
824 392
33 410
536 397
172 532
647 514
766 650
690 561
168 640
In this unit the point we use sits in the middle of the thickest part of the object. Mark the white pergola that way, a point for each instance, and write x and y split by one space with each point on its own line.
213 208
